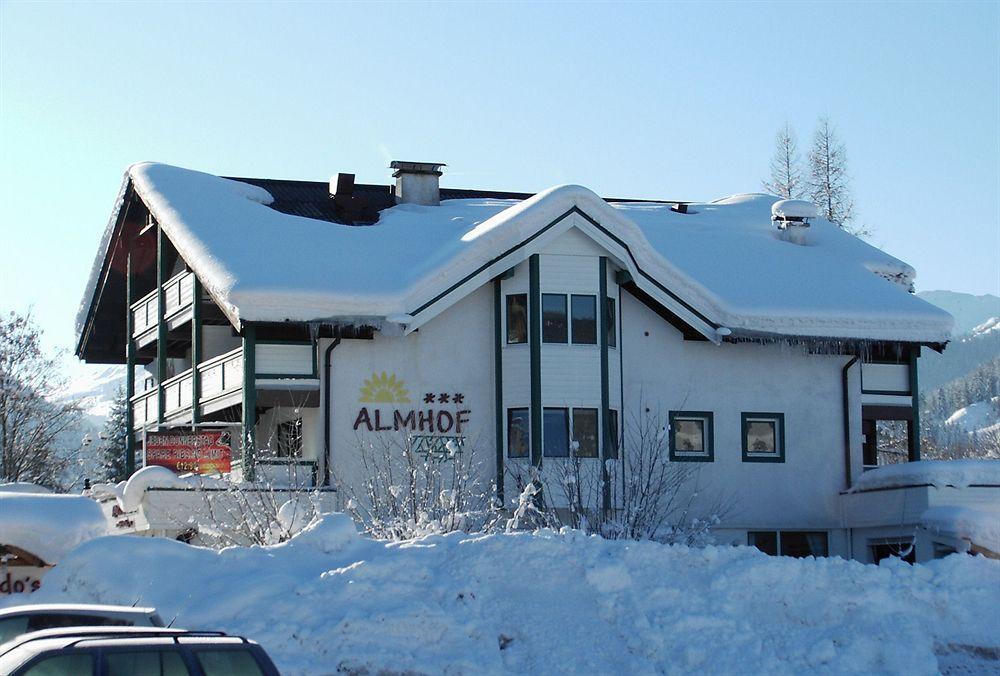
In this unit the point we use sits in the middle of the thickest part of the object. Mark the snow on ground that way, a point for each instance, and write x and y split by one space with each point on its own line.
726 258
48 526
939 473
330 600
979 526
976 417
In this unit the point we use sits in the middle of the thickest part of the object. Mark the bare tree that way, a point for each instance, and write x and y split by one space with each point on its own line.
411 489
786 166
829 181
30 418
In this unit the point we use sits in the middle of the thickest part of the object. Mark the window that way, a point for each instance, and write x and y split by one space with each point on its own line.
289 439
518 430
585 432
517 318
554 326
232 662
763 437
900 549
555 432
612 451
584 319
158 662
691 436
798 544
612 326
63 665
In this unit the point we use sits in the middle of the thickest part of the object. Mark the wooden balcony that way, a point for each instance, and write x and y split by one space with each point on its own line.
281 368
178 296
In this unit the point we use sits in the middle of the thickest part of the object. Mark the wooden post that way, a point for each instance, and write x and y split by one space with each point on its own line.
498 383
914 427
195 350
129 368
161 326
249 401
535 357
602 336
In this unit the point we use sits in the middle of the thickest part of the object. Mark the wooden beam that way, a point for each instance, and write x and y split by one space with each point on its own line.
129 369
195 351
161 325
249 401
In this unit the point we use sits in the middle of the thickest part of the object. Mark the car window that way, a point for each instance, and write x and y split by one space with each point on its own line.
236 662
145 663
13 626
59 620
62 665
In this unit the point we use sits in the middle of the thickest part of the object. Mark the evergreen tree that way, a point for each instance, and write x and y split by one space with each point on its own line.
829 183
786 166
112 451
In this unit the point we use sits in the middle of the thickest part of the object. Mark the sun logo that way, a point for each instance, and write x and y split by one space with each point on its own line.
384 389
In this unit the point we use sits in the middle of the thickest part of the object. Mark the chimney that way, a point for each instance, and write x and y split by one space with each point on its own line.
342 188
792 218
417 182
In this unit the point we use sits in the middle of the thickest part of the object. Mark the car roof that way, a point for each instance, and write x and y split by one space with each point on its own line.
73 609
66 635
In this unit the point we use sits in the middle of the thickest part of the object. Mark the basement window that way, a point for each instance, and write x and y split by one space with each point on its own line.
518 431
555 328
691 436
795 543
886 548
763 437
517 319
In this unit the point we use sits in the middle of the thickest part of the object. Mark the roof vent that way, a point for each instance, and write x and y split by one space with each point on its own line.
792 218
417 182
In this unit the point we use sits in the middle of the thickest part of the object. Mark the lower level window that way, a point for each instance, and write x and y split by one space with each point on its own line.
585 432
289 439
691 436
900 549
518 427
763 437
555 432
795 543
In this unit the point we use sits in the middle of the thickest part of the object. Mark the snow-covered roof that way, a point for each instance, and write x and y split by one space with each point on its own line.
938 473
48 526
724 259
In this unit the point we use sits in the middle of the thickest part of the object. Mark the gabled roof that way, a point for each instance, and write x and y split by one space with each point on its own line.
275 251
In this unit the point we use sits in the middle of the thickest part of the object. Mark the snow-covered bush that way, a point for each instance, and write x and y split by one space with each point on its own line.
408 491
643 497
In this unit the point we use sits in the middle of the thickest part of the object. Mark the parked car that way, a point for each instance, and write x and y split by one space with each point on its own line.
133 651
19 620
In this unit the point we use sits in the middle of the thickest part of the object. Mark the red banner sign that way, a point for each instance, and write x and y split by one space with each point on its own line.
201 451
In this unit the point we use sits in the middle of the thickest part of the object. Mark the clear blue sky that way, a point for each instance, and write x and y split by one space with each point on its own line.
673 101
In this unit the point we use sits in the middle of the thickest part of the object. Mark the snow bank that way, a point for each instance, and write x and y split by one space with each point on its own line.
727 259
938 473
329 601
24 487
979 527
48 526
131 492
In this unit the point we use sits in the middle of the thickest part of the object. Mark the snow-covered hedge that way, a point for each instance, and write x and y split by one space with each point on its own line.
330 600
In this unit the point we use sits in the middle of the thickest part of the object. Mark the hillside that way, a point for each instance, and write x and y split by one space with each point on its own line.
968 310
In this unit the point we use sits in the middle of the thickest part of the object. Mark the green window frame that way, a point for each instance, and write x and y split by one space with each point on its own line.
517 318
518 432
750 422
583 319
585 432
555 318
707 452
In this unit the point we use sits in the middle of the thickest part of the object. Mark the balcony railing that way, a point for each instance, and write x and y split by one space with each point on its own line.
178 294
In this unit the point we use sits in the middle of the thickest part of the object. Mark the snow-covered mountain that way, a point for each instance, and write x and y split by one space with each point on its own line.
93 386
969 310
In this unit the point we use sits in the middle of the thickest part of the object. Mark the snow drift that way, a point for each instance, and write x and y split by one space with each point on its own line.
48 526
329 600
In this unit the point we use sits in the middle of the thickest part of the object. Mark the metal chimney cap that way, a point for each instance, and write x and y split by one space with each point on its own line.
402 167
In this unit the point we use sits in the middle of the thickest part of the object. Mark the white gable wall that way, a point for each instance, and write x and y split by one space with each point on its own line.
664 372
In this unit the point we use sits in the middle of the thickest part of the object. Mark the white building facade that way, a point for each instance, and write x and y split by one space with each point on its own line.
542 334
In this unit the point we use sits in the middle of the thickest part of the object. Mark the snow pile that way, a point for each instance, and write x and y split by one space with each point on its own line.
24 487
978 526
937 473
131 492
725 258
793 209
976 417
48 526
329 601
